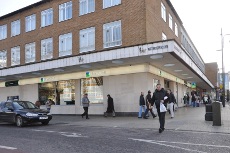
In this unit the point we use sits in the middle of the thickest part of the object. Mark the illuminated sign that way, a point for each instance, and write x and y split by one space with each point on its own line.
193 85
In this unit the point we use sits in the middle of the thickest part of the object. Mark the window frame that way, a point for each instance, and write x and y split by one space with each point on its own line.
32 22
111 3
87 32
65 38
3 32
32 51
17 56
111 27
3 58
87 9
65 7
164 37
16 30
170 21
163 12
46 41
45 14
176 30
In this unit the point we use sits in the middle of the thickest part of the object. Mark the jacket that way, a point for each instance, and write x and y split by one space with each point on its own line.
158 96
110 107
172 98
85 102
148 99
142 100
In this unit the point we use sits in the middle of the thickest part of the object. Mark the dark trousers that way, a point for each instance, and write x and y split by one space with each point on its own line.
147 110
85 112
161 118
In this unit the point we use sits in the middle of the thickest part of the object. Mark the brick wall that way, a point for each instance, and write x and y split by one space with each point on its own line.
141 23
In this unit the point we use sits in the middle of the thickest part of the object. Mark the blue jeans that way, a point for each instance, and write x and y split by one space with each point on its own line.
194 104
140 110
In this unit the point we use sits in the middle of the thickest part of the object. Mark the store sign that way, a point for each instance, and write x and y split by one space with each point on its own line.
47 79
193 85
142 50
95 74
87 74
11 83
157 47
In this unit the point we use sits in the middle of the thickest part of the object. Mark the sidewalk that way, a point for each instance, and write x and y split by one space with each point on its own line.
186 119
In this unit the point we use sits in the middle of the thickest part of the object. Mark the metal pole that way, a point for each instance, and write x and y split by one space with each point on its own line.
223 77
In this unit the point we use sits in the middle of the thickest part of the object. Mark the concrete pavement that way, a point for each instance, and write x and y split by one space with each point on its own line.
186 119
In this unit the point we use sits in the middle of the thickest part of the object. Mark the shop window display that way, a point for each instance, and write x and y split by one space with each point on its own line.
61 92
94 88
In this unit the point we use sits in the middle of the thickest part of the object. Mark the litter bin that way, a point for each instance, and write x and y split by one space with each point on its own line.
216 109
209 113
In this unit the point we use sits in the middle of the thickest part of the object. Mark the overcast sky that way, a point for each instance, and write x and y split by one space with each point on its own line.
202 19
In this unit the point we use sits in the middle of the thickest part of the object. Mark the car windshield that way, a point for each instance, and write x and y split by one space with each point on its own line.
24 105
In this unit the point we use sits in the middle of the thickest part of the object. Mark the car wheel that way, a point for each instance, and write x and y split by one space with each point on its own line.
19 121
45 123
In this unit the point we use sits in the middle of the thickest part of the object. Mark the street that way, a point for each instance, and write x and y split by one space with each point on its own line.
61 137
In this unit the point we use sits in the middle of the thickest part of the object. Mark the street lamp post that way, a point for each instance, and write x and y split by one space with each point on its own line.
223 71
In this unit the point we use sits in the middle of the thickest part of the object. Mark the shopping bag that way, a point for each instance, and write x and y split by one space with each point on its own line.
162 108
154 110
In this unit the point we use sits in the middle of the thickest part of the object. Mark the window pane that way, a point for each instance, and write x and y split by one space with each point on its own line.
112 34
107 3
87 39
3 59
94 88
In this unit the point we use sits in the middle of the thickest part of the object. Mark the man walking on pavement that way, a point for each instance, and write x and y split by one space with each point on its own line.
149 105
142 105
158 98
85 103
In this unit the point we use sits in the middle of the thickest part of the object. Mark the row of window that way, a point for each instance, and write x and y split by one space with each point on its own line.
163 15
65 13
112 36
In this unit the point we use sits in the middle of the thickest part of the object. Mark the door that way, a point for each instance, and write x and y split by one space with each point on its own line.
8 112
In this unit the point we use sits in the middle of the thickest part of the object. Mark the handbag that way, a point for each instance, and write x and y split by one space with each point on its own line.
162 108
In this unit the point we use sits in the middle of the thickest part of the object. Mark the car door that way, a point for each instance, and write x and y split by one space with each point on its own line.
8 112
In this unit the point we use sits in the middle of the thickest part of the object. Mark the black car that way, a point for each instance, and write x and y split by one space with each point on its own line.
23 112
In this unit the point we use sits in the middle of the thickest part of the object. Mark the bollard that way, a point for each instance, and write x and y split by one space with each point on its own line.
208 114
216 109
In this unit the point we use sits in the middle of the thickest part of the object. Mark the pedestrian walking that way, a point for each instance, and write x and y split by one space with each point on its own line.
188 99
85 103
48 104
142 105
110 106
158 98
171 99
193 99
149 105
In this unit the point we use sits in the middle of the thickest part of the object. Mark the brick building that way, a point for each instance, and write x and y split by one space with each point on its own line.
60 49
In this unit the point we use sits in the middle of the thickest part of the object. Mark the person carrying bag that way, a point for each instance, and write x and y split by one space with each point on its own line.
159 97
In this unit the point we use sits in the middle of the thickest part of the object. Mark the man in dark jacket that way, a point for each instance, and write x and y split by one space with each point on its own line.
110 108
149 105
158 97
141 104
171 101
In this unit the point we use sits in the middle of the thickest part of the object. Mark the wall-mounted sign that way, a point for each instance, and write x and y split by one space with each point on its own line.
47 79
11 83
12 97
87 74
193 85
157 47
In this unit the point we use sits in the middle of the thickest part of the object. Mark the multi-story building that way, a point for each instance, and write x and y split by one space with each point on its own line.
61 49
